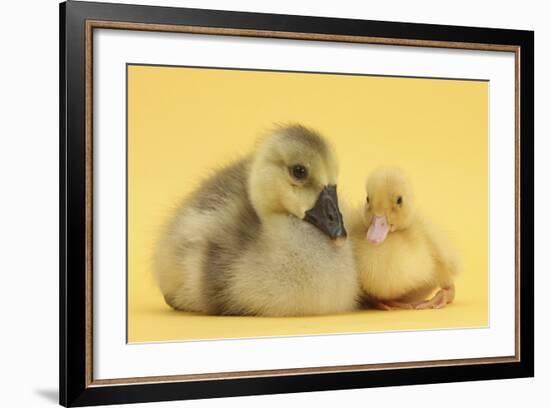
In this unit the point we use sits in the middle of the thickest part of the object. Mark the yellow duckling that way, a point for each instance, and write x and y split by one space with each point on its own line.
263 236
401 257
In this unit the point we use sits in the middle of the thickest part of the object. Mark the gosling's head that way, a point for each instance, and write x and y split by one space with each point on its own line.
294 171
389 205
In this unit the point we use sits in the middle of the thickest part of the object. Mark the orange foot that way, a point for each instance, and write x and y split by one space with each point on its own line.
391 305
441 299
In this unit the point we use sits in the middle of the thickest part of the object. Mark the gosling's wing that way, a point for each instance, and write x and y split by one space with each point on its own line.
226 185
203 237
218 207
231 226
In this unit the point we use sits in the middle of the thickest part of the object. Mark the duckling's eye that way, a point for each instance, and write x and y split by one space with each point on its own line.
298 171
399 201
368 202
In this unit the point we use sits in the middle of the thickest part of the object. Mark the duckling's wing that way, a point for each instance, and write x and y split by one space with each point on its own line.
444 253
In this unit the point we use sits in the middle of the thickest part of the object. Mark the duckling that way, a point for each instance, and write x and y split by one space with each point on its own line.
401 257
263 236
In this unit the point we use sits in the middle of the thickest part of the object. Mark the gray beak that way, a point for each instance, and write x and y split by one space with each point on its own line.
326 215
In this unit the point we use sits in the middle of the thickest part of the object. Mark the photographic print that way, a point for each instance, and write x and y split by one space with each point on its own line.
256 203
270 203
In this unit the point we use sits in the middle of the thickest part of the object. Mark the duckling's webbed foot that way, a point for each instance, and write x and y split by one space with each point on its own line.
372 303
441 299
391 305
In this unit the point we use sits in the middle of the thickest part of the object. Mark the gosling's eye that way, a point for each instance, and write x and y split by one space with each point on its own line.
399 201
298 171
368 202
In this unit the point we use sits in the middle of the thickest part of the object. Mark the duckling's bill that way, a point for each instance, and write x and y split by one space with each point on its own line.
326 215
378 229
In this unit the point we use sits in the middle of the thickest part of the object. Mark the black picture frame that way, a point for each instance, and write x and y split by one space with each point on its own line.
75 389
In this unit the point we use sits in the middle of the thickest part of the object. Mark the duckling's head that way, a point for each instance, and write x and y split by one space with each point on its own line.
389 205
294 171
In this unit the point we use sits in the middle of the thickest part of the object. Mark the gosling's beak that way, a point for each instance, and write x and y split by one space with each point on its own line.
326 215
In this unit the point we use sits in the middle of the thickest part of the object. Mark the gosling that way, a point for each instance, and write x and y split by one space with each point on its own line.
263 236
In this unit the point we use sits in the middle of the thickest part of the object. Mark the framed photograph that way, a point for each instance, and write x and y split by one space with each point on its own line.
256 203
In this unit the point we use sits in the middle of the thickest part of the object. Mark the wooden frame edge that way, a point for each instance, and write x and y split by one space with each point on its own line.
92 24
298 371
89 205
119 25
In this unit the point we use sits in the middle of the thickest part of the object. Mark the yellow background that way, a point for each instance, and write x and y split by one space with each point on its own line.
185 122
